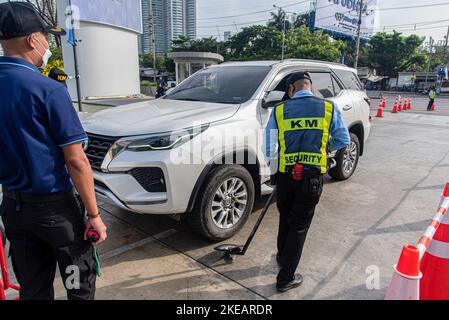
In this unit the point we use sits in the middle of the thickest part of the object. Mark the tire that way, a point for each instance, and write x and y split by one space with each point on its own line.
340 172
202 219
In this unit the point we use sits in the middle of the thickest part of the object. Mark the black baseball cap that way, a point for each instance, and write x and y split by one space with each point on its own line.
298 76
18 19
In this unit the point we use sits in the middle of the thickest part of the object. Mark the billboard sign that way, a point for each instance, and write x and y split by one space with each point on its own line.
119 13
342 16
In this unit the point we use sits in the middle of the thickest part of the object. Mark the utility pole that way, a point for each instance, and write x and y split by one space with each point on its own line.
285 30
430 60
219 34
75 57
446 55
359 29
153 40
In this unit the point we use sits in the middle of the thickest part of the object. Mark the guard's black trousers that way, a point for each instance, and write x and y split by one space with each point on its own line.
429 106
43 235
296 202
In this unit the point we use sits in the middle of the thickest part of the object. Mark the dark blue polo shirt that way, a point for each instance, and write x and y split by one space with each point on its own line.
37 119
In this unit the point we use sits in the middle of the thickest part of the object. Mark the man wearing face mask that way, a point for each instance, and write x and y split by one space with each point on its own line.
41 161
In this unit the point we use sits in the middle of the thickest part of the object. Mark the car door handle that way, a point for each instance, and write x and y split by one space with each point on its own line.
347 108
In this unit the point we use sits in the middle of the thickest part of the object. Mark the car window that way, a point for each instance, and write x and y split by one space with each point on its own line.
231 84
337 87
323 86
350 80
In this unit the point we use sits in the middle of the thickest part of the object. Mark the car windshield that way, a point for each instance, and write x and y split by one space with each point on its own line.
232 85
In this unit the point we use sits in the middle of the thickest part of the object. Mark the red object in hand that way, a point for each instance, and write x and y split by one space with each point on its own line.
93 236
297 172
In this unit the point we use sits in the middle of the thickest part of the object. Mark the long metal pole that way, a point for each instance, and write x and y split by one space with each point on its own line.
153 39
283 37
430 61
359 29
284 31
75 59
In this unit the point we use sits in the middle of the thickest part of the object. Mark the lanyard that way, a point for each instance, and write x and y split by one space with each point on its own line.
17 65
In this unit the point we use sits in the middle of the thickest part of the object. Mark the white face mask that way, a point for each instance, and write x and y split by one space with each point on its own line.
45 57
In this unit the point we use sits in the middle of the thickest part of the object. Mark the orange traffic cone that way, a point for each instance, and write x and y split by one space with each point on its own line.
380 112
410 104
395 108
435 263
406 277
384 105
433 107
400 105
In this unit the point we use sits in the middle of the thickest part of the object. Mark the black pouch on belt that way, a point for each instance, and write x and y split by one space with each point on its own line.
312 186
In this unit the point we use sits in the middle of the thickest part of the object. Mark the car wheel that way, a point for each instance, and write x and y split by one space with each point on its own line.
347 160
226 200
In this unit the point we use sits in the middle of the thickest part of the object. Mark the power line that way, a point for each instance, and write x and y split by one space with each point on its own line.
234 24
254 22
378 9
255 12
414 7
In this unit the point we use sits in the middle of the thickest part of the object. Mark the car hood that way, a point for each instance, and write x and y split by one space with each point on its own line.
155 117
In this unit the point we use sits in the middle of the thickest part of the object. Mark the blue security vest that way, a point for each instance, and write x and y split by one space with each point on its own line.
304 126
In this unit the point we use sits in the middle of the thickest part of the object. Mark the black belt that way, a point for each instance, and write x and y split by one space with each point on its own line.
38 198
308 174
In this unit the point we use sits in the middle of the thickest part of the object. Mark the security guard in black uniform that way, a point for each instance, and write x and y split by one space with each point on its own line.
41 160
306 128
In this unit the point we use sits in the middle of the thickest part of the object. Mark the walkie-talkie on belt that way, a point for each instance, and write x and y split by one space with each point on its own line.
297 172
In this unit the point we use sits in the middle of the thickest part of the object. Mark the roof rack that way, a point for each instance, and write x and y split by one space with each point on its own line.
317 61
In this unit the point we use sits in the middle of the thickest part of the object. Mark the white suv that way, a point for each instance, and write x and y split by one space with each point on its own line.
198 151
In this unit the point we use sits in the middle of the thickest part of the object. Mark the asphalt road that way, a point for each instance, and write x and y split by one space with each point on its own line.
360 227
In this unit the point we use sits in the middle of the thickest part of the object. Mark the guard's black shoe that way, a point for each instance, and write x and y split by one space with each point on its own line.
291 285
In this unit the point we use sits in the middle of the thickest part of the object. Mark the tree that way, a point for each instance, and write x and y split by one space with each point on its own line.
182 43
302 20
278 19
304 44
392 53
146 61
210 44
255 43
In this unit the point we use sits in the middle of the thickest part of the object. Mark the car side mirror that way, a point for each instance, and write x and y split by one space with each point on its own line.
272 98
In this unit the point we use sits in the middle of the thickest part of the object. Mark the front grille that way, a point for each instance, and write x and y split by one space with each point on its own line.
151 179
98 148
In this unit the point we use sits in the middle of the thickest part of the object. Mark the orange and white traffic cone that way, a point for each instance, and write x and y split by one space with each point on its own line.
380 111
384 105
435 263
410 104
406 277
400 105
433 107
395 108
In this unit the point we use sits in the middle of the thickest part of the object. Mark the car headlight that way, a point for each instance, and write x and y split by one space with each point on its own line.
163 141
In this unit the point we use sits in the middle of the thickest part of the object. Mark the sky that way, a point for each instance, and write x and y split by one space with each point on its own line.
431 21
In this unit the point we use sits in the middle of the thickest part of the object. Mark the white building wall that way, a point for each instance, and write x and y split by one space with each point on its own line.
107 58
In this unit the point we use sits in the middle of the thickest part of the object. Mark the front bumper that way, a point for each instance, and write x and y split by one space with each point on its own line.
118 187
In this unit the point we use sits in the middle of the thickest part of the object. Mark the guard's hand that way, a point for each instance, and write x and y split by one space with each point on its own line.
97 225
